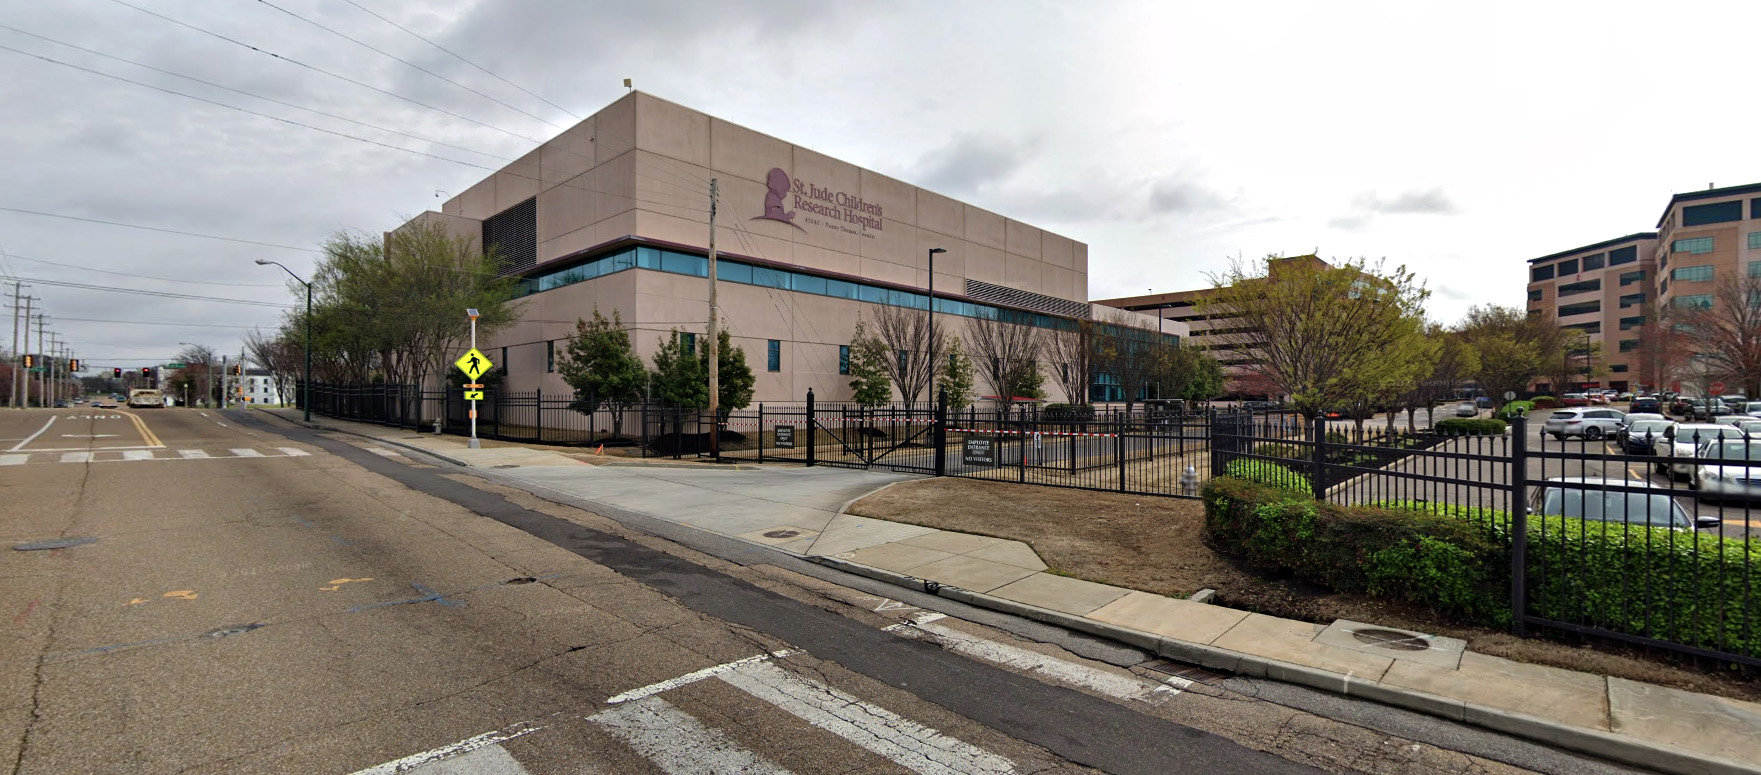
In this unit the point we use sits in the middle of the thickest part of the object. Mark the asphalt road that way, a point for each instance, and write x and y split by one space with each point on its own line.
261 599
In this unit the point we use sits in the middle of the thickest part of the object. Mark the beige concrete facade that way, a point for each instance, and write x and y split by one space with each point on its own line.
1603 290
638 172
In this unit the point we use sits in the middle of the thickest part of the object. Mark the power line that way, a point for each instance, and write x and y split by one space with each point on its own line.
142 276
160 294
155 323
370 12
249 94
150 228
407 62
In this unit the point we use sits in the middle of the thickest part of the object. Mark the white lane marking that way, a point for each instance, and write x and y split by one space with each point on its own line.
81 449
677 742
905 742
13 460
138 454
1110 684
293 451
192 454
246 452
692 677
76 457
33 437
382 452
491 760
459 748
89 435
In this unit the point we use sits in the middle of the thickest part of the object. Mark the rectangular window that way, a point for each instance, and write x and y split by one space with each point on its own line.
1540 273
648 258
550 357
1755 238
1583 308
1755 209
504 360
1632 300
773 355
904 361
1694 245
843 359
1569 266
1594 262
1629 345
770 278
1628 278
809 284
1717 212
840 289
1697 274
1536 294
1755 268
681 263
1594 328
690 343
1618 368
1586 286
732 272
1699 300
1632 322
1625 255
1663 287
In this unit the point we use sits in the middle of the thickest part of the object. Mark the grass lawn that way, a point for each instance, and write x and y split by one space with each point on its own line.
1155 545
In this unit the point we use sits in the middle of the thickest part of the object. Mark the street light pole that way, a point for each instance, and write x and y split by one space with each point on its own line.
306 384
930 345
475 444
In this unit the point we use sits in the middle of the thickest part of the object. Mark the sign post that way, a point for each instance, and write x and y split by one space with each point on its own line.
474 364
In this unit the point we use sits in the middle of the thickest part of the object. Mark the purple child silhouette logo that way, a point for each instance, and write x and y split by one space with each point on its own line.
778 181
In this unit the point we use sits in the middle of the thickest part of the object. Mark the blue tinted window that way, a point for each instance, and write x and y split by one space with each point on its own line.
1695 245
1636 276
1581 287
1698 274
1540 273
843 359
1629 345
690 342
807 283
1632 300
1701 300
840 289
1625 255
681 263
773 358
1755 209
1755 238
872 294
1717 212
770 278
648 258
732 272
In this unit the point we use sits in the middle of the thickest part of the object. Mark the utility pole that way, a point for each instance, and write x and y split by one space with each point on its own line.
17 354
25 383
42 384
715 392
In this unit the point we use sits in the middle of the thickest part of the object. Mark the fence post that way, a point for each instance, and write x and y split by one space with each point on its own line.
1119 448
1519 524
538 412
810 427
718 447
1318 477
940 436
1021 441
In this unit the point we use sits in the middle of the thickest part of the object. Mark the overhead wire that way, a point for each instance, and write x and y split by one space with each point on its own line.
155 228
143 276
156 323
138 292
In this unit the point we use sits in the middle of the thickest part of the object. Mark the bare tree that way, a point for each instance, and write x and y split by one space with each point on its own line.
1074 354
1130 355
1661 356
284 358
915 353
1007 356
1724 332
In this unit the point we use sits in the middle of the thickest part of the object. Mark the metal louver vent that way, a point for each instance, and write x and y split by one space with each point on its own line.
999 294
513 233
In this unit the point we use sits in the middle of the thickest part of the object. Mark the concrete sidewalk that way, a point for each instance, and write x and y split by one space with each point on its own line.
800 510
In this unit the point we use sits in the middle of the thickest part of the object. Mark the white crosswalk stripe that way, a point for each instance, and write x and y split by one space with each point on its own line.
103 455
246 452
292 451
192 454
76 457
677 743
137 454
438 760
13 460
905 742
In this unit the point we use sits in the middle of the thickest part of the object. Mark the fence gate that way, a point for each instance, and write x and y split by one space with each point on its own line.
900 439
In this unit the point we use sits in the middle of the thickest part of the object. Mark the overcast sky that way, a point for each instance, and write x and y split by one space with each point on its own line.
1171 137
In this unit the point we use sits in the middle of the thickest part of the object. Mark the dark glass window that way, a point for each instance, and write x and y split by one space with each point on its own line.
1632 322
840 289
1700 300
1540 273
648 258
1583 287
1568 266
806 283
550 357
1593 262
1632 300
1755 209
843 359
1625 255
1580 309
773 355
1536 294
1618 368
690 342
1628 278
1594 328
1698 274
1629 345
1693 245
1717 212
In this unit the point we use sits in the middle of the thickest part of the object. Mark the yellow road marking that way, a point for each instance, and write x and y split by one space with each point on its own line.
182 594
137 601
337 583
141 425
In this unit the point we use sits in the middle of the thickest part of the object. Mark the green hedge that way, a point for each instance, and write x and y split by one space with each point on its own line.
1545 402
1288 451
1270 474
1461 426
1441 562
1515 408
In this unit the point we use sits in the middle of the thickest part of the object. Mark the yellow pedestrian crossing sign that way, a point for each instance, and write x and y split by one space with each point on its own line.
474 363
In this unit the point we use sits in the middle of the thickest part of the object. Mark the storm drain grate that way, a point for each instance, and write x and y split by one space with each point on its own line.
237 629
1188 672
1391 639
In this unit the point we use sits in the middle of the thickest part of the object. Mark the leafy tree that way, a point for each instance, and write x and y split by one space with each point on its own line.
734 381
1189 373
1377 383
956 380
603 368
679 377
1456 360
868 368
1513 347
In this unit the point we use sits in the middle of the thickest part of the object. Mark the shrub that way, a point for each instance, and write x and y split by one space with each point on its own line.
1270 474
1457 426
1337 437
1288 451
1445 563
1068 412
1515 408
1545 402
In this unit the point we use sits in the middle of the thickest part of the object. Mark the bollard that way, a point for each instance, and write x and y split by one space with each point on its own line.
1189 480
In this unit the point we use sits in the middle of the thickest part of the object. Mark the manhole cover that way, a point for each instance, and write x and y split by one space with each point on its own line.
782 534
1390 639
237 629
53 543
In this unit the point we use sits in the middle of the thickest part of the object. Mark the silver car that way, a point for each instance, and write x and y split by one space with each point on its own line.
1628 501
1588 422
1728 469
1681 442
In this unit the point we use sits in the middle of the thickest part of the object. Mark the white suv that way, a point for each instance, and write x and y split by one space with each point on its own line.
1589 422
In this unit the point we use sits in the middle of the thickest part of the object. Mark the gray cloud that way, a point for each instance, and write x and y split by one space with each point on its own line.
1176 195
970 163
1349 222
1418 202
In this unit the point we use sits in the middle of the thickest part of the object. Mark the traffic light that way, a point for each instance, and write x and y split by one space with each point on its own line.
118 372
146 372
30 361
73 364
238 370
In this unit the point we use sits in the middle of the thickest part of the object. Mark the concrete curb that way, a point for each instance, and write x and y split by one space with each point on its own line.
411 447
1594 742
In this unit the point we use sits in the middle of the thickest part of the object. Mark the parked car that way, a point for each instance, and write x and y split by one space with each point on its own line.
1591 424
1728 469
1633 417
1750 426
1680 444
1751 408
1734 398
1467 409
1483 402
1646 404
1624 397
1574 399
1628 501
1640 437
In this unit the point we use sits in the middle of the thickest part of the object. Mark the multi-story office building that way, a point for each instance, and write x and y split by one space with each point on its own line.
614 214
1704 236
1602 291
